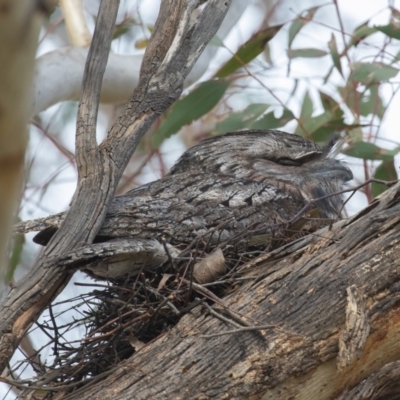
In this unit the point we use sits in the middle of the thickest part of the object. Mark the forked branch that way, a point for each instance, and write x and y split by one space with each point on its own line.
173 49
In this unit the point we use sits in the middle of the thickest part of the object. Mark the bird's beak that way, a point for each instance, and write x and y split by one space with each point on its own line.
331 169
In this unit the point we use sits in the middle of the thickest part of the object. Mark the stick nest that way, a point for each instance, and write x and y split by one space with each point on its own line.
121 316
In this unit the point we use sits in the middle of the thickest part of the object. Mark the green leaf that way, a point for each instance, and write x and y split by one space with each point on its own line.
372 72
242 119
307 107
141 43
299 23
123 28
372 103
15 256
330 104
308 127
197 103
305 114
269 121
248 51
360 33
326 131
350 96
392 30
335 54
385 172
306 53
366 103
370 151
356 135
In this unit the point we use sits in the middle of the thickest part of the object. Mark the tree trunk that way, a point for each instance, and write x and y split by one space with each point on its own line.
331 301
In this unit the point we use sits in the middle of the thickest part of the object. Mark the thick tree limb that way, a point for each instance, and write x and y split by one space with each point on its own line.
302 291
58 77
29 298
175 45
58 74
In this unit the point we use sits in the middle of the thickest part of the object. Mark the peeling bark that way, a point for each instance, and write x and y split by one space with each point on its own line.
354 335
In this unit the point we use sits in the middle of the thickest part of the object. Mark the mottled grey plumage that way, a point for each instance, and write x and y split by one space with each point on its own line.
254 179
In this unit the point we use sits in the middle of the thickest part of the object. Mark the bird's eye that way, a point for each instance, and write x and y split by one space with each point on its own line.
288 161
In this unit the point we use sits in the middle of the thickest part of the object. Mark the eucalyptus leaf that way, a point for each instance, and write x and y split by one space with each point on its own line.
299 23
385 172
269 121
371 103
248 51
242 119
307 109
335 54
196 104
360 33
330 104
392 30
370 151
15 256
372 72
306 53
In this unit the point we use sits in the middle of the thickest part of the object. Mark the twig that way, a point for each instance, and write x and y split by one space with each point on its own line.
210 295
164 300
21 385
171 260
221 317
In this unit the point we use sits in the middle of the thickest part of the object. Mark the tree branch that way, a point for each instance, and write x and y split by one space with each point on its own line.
160 84
58 74
34 292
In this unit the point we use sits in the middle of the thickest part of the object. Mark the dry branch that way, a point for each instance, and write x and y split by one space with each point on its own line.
34 292
173 49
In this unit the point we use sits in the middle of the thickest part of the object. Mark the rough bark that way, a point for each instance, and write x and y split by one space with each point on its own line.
335 290
174 47
38 287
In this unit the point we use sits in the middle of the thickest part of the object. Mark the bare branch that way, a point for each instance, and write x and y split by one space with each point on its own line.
100 167
34 292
